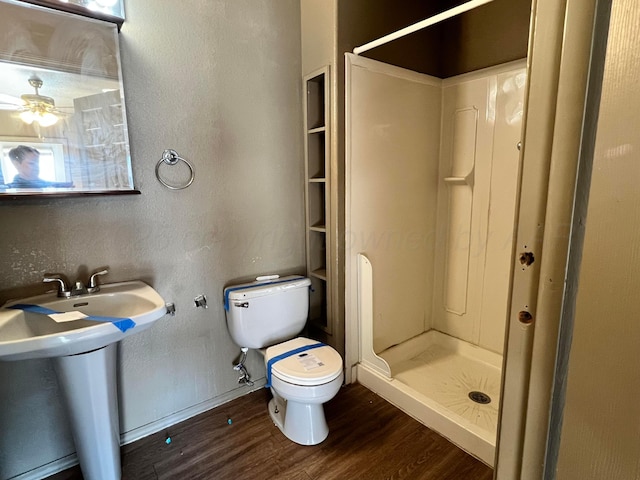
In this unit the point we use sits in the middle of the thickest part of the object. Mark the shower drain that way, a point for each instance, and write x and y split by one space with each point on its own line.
480 397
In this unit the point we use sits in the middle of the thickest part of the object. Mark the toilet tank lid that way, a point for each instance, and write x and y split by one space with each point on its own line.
246 291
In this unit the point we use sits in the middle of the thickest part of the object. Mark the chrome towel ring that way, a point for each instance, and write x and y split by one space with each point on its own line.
171 157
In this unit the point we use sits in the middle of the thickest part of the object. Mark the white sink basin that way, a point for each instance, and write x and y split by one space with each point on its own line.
25 333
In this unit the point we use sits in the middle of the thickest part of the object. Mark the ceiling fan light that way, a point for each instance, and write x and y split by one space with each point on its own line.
43 118
38 108
27 117
46 119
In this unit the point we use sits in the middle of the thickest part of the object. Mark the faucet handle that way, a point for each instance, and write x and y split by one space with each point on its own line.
93 280
63 291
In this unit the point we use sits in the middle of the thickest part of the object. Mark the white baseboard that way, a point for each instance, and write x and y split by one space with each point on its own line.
48 469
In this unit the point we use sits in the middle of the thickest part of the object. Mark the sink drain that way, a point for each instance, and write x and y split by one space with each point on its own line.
480 397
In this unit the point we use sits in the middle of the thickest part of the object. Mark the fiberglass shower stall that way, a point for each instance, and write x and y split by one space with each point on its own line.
431 189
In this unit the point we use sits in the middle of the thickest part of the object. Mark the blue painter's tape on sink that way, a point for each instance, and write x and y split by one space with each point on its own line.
123 324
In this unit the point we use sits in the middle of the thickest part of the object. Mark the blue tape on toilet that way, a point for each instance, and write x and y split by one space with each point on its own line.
123 324
284 355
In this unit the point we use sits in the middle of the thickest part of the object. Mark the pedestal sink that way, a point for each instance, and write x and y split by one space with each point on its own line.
80 335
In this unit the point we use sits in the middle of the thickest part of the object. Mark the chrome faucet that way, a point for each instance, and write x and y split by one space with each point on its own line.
63 290
78 288
93 281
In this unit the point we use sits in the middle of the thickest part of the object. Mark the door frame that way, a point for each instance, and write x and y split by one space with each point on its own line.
563 38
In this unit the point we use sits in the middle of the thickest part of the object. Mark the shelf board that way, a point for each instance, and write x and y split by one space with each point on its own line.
320 273
317 130
317 180
318 228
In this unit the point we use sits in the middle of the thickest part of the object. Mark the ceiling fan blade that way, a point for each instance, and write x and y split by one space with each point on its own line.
11 100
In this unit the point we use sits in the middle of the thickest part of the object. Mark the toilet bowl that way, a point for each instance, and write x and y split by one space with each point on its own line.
302 373
301 383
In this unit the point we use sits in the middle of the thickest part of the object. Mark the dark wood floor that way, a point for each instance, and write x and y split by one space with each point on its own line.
368 439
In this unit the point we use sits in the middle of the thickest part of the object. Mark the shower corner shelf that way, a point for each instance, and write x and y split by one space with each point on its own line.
318 196
468 180
455 180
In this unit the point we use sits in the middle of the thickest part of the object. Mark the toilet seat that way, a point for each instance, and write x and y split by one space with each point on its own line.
312 367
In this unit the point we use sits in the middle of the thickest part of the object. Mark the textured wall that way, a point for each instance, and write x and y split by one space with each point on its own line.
219 82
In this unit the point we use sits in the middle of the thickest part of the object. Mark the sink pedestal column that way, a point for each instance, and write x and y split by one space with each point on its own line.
88 384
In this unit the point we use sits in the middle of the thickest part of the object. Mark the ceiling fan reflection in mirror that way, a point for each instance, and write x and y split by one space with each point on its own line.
33 107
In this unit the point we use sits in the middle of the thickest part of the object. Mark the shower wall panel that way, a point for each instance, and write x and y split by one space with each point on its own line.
509 108
393 189
458 293
481 127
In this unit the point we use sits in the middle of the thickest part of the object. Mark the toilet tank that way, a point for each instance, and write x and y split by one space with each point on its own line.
260 314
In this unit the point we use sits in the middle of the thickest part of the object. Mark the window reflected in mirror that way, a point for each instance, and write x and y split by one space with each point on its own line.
52 162
61 98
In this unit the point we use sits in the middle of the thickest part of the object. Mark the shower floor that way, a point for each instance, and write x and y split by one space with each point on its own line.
449 377
439 372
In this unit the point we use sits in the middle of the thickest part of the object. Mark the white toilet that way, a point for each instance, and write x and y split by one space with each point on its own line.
303 373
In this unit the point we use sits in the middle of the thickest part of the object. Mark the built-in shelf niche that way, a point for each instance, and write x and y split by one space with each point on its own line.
316 206
318 303
316 102
316 154
317 259
317 188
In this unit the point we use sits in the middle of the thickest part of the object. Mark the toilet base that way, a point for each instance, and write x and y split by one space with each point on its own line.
301 423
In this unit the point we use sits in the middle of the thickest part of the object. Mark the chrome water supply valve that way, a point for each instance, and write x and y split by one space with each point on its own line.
239 367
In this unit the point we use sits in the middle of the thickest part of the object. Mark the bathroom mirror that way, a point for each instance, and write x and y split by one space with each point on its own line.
61 94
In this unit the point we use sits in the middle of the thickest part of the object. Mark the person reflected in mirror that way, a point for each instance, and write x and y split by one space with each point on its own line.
26 161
